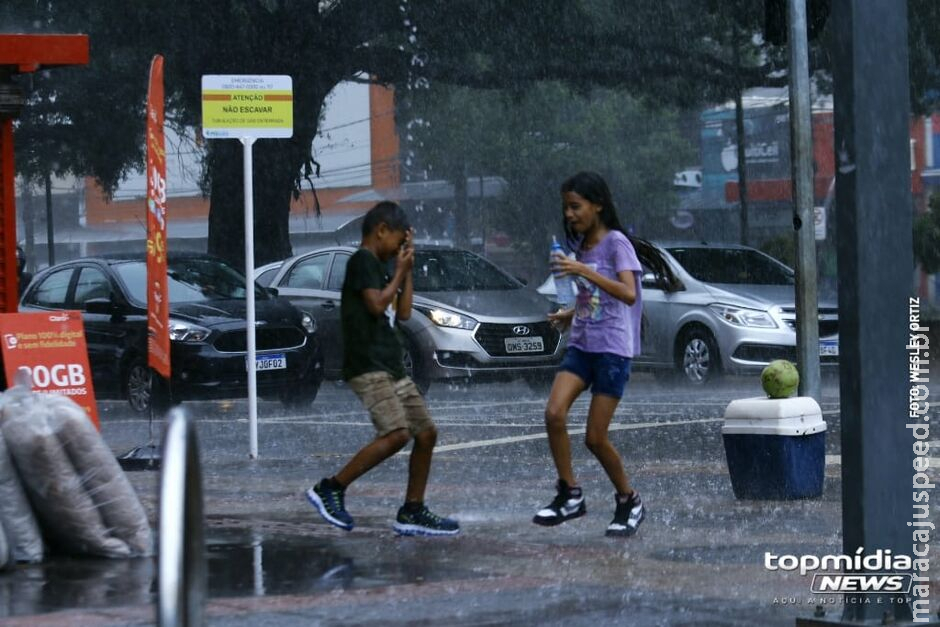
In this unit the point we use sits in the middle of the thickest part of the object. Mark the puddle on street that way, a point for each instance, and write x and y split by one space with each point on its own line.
744 554
63 583
241 562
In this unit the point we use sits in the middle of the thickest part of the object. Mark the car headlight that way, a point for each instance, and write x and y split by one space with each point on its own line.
308 323
742 317
182 331
450 319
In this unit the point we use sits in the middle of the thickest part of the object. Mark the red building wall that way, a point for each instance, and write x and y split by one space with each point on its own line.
384 171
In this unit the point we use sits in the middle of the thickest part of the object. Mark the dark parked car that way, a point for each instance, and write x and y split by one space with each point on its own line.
207 330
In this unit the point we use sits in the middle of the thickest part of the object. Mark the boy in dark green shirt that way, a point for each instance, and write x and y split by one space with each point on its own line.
373 366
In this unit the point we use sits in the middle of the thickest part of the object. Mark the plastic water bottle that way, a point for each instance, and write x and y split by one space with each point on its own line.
564 286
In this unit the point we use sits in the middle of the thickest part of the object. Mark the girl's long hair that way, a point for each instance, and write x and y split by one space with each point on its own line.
592 187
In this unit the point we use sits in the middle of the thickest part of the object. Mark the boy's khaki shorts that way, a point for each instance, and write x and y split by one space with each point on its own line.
392 404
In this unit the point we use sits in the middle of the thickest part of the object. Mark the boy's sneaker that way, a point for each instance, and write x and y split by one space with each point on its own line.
568 504
423 522
627 516
329 502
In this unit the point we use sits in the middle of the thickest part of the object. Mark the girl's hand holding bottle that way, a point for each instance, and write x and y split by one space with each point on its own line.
563 265
562 318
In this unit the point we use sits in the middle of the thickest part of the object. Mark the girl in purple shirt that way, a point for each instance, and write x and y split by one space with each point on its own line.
605 336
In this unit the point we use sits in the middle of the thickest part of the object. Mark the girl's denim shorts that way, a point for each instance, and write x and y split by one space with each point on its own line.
602 373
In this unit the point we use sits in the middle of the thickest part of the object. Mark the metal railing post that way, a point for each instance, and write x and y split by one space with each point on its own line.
181 560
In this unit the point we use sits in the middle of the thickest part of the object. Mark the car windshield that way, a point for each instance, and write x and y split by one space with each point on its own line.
191 280
737 266
456 271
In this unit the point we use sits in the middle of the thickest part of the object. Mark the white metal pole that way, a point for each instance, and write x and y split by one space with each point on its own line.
250 299
257 563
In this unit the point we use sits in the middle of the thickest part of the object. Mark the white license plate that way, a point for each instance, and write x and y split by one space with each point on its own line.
524 344
270 362
828 348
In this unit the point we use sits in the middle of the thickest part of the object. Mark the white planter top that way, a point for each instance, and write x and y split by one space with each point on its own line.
795 416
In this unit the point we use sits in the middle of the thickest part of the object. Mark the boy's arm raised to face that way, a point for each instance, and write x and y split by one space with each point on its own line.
404 266
377 301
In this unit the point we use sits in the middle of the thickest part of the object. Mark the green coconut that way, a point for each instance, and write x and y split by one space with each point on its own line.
780 379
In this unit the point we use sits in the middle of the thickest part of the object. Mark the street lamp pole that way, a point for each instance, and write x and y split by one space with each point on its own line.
50 240
801 130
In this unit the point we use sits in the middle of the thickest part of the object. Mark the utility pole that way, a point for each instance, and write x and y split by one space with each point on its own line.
50 240
742 138
801 167
874 218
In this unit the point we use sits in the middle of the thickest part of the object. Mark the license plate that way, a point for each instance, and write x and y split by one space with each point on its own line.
270 362
524 344
828 348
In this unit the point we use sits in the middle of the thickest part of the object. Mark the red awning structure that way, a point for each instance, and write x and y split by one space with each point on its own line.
19 54
31 53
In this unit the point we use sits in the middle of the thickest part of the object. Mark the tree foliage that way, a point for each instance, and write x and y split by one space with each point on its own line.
537 137
668 51
84 120
924 48
927 237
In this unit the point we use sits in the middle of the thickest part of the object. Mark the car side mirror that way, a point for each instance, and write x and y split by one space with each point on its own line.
649 280
103 306
272 291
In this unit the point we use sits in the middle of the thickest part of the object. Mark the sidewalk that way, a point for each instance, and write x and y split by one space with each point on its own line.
697 560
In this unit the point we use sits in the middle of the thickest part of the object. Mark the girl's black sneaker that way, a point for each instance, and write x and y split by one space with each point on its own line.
627 516
568 504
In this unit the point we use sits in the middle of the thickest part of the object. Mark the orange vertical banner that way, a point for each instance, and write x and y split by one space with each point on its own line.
158 318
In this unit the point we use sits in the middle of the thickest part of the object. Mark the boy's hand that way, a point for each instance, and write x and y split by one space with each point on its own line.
406 254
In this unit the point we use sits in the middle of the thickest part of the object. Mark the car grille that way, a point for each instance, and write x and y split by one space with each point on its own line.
468 361
765 353
491 336
828 320
266 338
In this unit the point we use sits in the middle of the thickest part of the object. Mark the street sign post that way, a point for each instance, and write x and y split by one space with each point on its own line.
247 108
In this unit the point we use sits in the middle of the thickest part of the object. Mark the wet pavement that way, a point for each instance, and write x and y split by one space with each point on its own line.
698 559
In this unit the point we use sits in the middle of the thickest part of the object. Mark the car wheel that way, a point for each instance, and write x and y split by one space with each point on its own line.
142 388
697 356
412 362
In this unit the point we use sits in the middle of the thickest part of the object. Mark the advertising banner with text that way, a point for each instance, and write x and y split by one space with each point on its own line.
158 316
52 345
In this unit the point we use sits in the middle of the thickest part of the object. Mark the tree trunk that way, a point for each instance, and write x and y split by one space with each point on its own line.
278 164
461 208
273 185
